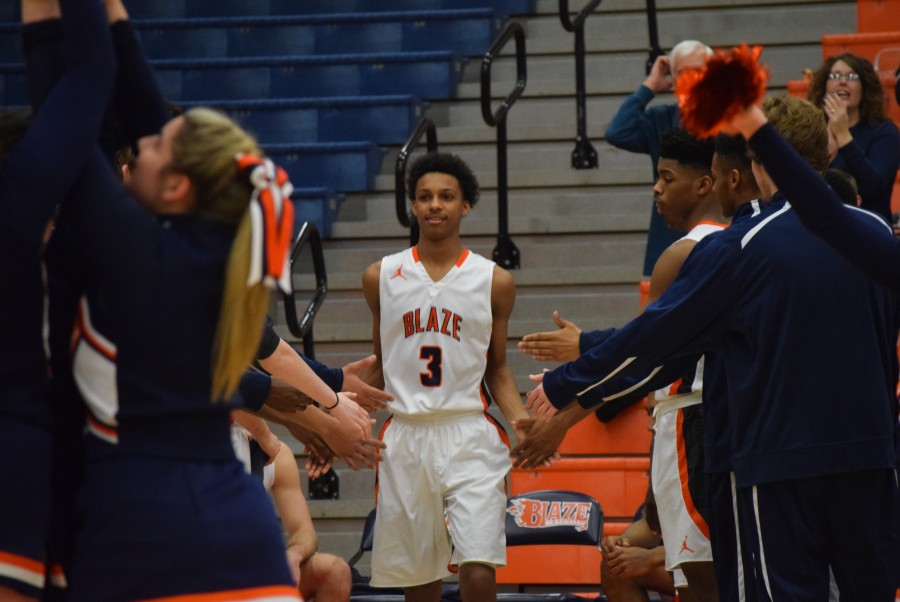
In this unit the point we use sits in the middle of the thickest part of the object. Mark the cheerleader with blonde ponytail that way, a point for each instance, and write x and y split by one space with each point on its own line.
176 270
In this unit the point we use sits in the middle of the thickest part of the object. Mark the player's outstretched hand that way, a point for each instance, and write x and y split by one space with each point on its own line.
350 412
538 442
536 402
285 398
350 436
317 465
368 396
319 455
560 345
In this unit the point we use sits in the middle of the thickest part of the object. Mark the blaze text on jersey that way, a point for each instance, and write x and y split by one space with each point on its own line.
434 319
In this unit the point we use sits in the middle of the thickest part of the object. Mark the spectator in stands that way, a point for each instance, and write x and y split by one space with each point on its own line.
897 86
637 128
788 432
849 90
319 576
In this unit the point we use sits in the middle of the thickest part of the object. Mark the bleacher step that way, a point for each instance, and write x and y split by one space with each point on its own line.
610 29
383 119
615 73
213 8
538 211
466 32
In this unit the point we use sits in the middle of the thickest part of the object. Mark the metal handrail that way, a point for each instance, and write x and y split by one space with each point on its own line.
506 254
425 127
653 30
303 328
585 155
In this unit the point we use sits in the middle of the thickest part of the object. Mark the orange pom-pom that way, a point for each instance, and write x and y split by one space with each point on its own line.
710 98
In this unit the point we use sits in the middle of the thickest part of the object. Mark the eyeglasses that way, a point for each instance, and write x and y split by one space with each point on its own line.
847 77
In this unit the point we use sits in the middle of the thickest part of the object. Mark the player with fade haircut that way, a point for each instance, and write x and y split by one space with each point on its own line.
439 326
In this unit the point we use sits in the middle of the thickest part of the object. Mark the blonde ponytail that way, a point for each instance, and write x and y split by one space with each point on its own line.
241 318
204 150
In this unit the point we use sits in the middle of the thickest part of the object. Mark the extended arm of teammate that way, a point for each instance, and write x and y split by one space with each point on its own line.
497 375
867 243
69 112
370 286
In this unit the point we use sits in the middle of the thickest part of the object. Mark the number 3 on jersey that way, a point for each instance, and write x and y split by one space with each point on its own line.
433 357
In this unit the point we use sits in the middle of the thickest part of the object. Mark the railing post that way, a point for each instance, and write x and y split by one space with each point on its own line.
653 30
426 127
302 328
506 254
585 155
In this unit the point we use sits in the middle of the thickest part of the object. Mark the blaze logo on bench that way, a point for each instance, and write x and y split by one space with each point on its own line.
539 514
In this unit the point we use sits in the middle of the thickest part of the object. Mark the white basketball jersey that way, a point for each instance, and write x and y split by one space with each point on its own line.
435 335
697 233
240 441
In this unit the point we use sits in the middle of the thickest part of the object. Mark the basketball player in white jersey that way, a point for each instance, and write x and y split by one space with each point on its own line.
685 199
439 315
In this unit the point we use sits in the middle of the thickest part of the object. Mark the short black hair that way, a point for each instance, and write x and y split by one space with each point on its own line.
677 144
843 184
733 149
445 163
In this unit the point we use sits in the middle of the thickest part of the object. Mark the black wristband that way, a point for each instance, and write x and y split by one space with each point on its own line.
337 400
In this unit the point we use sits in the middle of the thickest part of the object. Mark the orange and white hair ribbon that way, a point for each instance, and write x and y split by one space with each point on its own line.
272 214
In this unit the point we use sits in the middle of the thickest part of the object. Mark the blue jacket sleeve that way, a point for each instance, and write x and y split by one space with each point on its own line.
684 321
875 166
254 389
634 388
333 377
256 385
592 338
140 108
637 128
863 239
44 165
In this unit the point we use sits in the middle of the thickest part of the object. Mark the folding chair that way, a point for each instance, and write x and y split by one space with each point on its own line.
552 517
533 518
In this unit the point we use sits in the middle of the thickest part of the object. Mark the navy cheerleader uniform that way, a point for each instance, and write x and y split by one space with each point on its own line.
165 511
35 175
